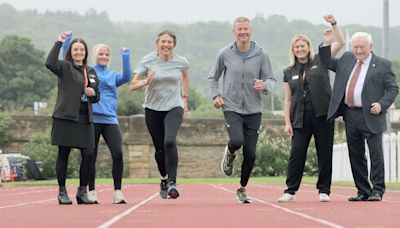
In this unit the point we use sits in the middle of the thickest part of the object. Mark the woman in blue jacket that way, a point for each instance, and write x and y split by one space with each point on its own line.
105 116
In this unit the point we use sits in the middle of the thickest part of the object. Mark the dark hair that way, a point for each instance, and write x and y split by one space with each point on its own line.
68 55
168 32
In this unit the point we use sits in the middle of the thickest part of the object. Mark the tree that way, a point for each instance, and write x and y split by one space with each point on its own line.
23 77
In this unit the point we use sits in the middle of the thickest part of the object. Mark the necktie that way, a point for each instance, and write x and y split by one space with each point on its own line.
353 82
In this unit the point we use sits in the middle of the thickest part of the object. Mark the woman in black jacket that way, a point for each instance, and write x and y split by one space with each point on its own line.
307 94
72 116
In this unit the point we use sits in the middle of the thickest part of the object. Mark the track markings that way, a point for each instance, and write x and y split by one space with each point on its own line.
28 203
127 212
303 215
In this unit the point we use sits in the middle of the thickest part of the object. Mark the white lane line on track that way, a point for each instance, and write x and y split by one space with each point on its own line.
24 193
127 212
28 203
332 194
306 216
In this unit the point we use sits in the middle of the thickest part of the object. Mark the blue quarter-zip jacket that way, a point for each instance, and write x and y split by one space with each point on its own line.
105 111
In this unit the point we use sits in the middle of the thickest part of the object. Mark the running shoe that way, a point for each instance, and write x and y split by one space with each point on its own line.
227 162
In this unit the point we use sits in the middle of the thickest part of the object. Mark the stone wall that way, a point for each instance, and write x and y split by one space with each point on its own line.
200 143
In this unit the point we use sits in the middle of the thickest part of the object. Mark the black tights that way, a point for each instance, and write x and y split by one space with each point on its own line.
62 165
163 127
112 135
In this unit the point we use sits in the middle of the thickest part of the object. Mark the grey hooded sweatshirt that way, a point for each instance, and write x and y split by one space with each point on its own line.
238 74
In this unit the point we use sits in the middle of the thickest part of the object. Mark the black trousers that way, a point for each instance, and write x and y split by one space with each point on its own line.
243 131
356 133
62 165
113 138
323 132
163 127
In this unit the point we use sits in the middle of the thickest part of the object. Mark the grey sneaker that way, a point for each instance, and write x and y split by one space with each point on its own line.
242 196
173 191
118 197
227 162
164 189
92 195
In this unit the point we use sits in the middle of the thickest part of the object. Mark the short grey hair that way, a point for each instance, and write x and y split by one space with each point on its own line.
241 19
362 35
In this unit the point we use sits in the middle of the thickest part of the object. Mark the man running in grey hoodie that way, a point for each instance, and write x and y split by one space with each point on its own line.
246 72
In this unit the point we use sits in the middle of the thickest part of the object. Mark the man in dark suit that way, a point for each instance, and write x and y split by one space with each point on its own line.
364 88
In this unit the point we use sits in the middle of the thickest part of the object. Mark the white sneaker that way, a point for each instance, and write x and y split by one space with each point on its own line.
323 197
287 198
92 195
118 197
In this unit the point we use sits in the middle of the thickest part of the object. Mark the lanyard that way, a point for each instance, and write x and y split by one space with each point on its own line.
85 77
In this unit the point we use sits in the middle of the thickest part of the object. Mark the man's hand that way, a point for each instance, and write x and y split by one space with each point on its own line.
218 102
330 19
258 84
376 108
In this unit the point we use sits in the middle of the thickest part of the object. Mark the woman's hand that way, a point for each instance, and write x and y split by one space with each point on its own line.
89 92
150 77
288 130
328 36
63 36
185 103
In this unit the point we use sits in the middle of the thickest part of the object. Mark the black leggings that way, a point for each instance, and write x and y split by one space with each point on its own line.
62 165
112 135
323 132
163 127
243 131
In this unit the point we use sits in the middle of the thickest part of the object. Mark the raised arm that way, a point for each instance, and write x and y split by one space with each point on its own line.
52 62
337 32
126 67
66 44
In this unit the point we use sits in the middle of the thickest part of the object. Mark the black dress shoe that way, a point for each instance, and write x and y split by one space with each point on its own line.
375 197
358 198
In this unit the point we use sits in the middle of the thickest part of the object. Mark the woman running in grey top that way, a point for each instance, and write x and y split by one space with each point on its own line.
166 80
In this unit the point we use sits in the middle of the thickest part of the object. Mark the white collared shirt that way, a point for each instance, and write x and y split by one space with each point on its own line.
360 81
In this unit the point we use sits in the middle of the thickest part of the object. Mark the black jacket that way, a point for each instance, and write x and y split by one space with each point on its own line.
319 85
71 86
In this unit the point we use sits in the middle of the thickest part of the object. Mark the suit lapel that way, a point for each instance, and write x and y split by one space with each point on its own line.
370 70
348 69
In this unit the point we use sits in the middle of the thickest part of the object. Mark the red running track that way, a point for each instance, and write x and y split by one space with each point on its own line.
204 206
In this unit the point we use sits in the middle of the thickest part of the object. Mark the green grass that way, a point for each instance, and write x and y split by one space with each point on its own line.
223 180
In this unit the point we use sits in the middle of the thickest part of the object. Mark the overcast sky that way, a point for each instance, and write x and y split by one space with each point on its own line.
364 12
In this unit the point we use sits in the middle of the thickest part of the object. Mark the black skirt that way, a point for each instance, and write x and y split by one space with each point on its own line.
73 134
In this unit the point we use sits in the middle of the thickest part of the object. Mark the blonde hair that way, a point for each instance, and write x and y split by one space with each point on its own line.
96 50
296 38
